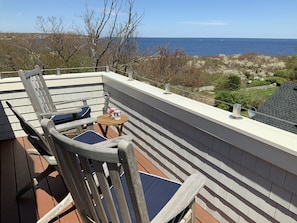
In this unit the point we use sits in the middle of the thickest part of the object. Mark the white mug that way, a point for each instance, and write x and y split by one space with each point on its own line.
116 114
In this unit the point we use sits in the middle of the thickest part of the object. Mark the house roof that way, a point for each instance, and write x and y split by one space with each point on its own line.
283 106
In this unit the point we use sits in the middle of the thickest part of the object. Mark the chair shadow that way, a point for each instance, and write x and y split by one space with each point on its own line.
54 186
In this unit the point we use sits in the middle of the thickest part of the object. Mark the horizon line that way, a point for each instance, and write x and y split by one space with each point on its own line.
181 37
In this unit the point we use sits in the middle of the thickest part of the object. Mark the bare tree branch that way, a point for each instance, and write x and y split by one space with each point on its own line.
107 34
65 45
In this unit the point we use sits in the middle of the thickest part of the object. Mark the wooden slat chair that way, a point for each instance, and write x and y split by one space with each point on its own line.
133 197
89 137
43 103
41 147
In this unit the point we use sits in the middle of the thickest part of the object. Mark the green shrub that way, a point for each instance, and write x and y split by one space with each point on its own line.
278 80
292 74
221 84
292 62
226 99
221 97
256 83
281 73
234 82
231 83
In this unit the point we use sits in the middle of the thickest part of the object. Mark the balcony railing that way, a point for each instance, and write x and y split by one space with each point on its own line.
250 167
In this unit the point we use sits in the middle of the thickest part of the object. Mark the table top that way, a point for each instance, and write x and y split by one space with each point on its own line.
106 119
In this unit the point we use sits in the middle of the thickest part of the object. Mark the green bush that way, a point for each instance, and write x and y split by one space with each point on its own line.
292 62
256 83
231 83
292 74
222 97
226 99
221 84
281 73
278 80
234 82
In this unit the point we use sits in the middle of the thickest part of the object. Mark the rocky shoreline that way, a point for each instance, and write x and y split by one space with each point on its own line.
246 65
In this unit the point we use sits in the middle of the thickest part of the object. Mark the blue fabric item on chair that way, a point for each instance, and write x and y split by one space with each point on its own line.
60 119
90 137
155 199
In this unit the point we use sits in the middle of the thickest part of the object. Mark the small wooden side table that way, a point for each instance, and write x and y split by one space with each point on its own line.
106 120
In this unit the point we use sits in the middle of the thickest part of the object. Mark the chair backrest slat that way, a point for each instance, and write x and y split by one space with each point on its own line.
93 175
119 192
37 91
126 153
74 179
36 80
104 186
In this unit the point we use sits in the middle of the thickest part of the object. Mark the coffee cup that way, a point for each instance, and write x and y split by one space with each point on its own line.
116 114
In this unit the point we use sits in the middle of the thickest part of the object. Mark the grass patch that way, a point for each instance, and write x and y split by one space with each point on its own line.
259 96
264 93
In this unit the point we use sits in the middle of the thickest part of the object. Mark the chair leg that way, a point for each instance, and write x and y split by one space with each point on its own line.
34 182
187 218
193 212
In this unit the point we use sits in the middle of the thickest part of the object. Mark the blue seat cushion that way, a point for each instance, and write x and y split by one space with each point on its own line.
157 192
84 113
89 137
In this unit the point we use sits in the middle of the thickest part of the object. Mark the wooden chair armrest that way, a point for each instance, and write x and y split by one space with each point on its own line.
62 112
76 123
112 142
84 100
116 140
183 197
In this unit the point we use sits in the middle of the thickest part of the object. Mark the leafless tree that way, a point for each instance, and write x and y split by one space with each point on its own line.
28 46
108 32
63 44
21 53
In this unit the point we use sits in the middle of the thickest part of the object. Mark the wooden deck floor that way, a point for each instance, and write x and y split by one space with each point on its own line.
17 168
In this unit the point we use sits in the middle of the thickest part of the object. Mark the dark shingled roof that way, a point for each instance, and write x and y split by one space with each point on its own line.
282 105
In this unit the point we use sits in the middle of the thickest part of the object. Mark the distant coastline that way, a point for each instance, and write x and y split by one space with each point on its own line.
216 46
203 46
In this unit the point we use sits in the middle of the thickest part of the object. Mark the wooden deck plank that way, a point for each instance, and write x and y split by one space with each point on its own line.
8 183
27 209
44 202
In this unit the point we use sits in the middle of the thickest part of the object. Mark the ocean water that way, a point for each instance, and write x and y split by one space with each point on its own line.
216 46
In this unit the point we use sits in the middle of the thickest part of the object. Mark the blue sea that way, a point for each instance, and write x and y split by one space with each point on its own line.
216 46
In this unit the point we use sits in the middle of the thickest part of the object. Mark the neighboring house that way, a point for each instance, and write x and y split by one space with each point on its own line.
283 106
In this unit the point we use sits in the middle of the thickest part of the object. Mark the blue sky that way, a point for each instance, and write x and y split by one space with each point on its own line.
169 18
